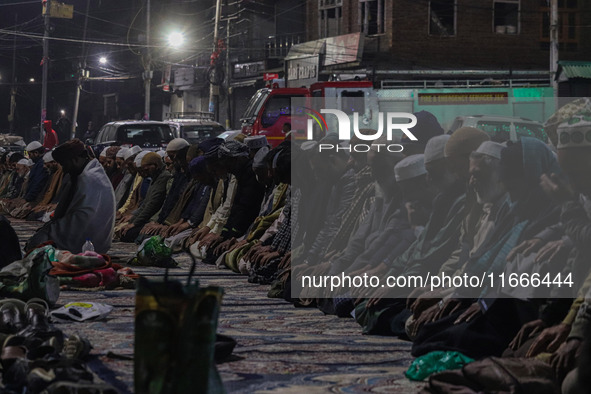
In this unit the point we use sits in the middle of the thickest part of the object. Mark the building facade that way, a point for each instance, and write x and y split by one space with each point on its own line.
510 35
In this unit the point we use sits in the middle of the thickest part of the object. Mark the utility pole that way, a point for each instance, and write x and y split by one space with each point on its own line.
45 62
81 74
147 66
228 71
213 90
554 48
13 88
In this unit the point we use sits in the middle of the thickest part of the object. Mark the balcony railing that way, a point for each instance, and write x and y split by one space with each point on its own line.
278 46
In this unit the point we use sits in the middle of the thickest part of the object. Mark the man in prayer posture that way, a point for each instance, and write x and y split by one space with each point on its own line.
87 210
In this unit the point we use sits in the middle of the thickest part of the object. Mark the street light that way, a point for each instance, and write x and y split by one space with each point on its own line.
62 111
176 39
31 79
103 60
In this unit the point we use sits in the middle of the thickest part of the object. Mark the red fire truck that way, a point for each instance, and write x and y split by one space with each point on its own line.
270 108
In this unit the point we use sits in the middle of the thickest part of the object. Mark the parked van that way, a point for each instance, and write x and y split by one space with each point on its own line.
502 128
194 126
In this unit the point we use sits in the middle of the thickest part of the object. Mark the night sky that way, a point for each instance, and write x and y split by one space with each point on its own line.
112 24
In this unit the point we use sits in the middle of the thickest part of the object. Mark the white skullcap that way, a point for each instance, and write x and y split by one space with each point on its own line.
134 150
259 158
177 144
256 142
138 159
308 145
104 153
33 146
48 157
162 153
434 150
25 162
492 149
410 167
121 153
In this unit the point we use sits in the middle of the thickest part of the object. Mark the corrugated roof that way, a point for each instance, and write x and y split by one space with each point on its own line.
575 69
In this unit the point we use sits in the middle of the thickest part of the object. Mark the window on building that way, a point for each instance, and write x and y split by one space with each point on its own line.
568 22
372 16
330 19
506 16
442 17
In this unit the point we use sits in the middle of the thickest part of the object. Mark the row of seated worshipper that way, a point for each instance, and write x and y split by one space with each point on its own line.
28 184
203 196
458 205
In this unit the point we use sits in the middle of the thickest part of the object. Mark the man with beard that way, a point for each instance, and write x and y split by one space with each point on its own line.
18 187
439 239
481 322
124 160
87 209
103 158
176 151
11 160
491 196
110 166
153 168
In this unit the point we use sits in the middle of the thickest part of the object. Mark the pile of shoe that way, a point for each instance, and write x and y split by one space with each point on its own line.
36 357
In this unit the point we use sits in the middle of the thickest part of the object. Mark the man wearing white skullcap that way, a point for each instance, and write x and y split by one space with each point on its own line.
131 180
410 167
120 162
33 146
121 153
492 149
17 188
255 143
38 176
433 245
479 225
103 157
177 144
434 150
138 159
124 185
134 150
48 157
437 167
54 184
410 175
25 162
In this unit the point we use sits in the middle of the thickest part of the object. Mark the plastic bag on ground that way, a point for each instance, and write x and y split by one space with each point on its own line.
438 361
